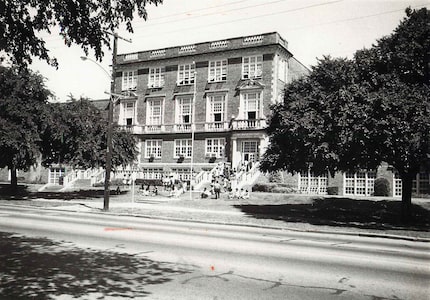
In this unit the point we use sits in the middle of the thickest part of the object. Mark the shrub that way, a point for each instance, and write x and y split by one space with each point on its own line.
273 188
381 187
275 177
332 190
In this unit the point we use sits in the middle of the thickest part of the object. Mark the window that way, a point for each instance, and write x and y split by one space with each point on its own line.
183 148
152 173
186 74
251 105
252 66
397 192
360 183
283 69
128 111
156 77
154 111
215 111
311 184
184 174
153 148
215 147
217 71
184 112
420 184
129 80
55 174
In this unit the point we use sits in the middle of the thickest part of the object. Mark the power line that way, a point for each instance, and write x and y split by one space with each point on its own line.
248 18
209 14
200 9
352 19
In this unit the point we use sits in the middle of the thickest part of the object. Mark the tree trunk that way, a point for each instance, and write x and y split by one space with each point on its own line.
13 178
406 196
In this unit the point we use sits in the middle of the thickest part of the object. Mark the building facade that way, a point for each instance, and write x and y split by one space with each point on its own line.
194 106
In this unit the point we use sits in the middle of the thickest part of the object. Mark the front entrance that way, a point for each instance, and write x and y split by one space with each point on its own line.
249 151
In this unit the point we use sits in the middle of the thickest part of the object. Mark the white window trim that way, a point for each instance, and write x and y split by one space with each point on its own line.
129 80
187 75
209 112
243 104
121 120
189 146
321 185
218 74
148 111
156 77
257 65
221 145
158 146
369 181
178 110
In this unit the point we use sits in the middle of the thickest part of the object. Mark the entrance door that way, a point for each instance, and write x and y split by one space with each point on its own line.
249 151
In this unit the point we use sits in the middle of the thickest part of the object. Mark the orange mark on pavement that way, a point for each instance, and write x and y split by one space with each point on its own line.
212 268
116 228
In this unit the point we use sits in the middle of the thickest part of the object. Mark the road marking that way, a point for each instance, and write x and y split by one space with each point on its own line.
117 228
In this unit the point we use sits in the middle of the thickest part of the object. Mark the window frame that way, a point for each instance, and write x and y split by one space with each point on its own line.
183 144
124 113
150 109
153 148
252 66
217 73
129 80
186 74
156 77
220 153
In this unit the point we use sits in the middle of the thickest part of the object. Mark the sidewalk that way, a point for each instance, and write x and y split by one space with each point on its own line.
361 216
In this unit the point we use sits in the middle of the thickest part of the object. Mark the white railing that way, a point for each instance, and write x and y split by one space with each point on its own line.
247 176
131 56
187 49
218 44
248 124
158 53
199 127
250 40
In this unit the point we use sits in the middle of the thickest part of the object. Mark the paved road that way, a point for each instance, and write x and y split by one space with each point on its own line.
238 262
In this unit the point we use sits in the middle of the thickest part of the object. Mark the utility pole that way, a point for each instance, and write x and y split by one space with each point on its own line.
110 122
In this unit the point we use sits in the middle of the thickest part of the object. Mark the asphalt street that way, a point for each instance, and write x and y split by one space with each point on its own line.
212 261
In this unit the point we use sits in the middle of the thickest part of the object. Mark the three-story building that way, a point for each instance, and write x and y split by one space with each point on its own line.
196 105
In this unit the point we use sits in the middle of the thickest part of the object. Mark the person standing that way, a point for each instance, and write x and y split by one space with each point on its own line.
217 189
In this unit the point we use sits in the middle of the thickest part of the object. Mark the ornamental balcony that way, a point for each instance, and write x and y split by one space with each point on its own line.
248 124
176 128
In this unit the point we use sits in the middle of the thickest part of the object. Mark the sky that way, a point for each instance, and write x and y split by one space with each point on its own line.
312 28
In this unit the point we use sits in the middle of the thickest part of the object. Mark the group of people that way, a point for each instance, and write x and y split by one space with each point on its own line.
148 191
215 191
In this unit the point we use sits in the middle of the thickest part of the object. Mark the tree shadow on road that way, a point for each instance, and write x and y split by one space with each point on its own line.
39 268
343 212
22 192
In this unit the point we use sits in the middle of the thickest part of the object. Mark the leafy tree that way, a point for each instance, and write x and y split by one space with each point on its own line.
352 114
23 97
82 22
76 136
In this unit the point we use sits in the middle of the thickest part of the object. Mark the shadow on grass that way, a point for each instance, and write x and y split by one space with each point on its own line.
22 192
39 268
343 212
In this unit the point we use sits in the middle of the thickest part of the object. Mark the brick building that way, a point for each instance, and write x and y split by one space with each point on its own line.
197 105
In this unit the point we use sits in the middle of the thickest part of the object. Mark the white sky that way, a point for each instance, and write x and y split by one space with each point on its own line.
312 28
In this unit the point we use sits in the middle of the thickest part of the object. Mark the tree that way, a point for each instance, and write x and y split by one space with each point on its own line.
23 97
76 136
352 114
83 22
